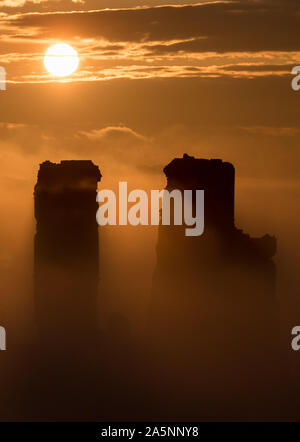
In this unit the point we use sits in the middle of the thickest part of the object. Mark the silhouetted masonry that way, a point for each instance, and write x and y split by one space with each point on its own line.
66 250
213 323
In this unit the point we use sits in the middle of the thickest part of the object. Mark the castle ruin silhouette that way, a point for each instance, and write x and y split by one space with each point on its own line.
211 345
213 317
66 250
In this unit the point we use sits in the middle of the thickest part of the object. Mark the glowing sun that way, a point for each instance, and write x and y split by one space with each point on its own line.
61 60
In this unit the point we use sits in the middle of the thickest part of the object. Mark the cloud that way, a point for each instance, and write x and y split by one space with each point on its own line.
125 150
65 5
218 27
20 3
113 133
144 72
196 41
30 3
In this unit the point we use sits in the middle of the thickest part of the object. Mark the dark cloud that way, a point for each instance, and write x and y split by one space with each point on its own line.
258 68
221 27
70 5
108 47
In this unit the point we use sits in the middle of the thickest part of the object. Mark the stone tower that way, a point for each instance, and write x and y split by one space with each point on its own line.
213 320
66 249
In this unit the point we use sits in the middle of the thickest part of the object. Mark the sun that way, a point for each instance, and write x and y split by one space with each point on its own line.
61 60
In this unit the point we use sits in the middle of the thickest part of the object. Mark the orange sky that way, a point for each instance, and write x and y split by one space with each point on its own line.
209 78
